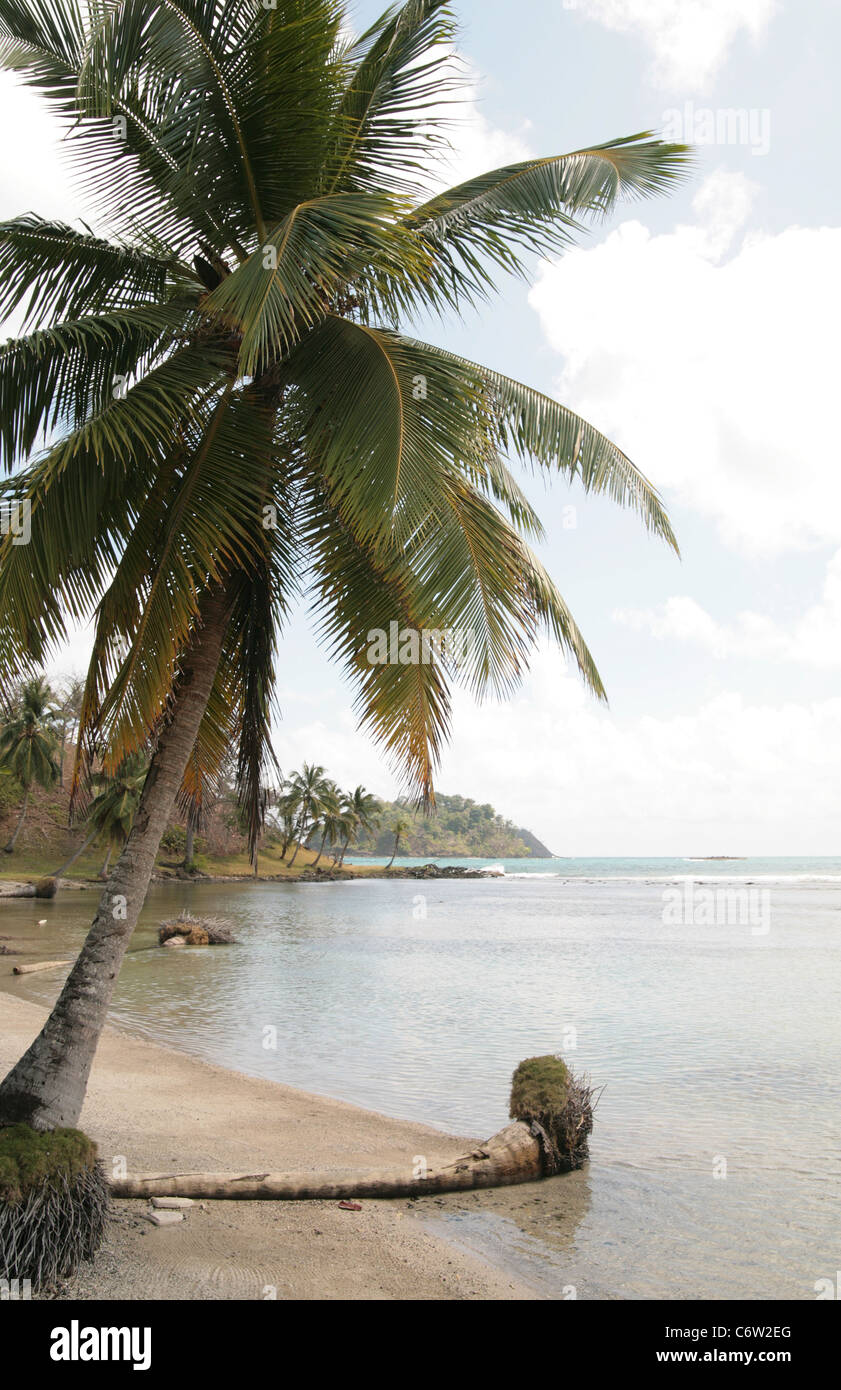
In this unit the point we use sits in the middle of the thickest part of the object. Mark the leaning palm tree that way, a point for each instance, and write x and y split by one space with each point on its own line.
362 811
399 828
28 746
219 399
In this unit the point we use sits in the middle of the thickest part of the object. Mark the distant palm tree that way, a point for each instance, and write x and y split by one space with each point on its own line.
399 829
363 812
28 745
112 811
69 699
288 818
308 792
231 409
90 839
331 822
192 825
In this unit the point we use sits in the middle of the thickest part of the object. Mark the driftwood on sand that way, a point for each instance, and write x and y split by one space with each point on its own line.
553 1114
39 965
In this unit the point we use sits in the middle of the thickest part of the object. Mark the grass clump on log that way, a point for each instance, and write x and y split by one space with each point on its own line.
546 1095
53 1203
197 931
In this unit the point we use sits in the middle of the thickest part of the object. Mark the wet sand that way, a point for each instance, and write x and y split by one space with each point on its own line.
162 1110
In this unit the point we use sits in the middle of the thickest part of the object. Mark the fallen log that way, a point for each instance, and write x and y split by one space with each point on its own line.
553 1116
513 1155
39 965
44 888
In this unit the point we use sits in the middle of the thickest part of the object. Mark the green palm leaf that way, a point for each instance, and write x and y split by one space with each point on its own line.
390 118
535 205
548 433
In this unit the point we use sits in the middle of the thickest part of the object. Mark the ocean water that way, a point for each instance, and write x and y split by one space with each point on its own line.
703 997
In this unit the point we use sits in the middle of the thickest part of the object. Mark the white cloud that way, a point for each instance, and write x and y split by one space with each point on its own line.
477 146
690 39
730 776
710 356
35 175
813 639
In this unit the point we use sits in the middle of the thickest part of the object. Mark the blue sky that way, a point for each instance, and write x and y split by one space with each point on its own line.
700 332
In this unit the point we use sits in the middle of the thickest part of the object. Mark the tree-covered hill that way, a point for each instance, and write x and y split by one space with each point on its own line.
458 827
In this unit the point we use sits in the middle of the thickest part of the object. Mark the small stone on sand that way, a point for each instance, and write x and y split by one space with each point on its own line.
164 1218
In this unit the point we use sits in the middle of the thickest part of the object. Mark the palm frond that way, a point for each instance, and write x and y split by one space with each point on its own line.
356 592
43 40
542 430
394 105
68 274
286 286
536 205
55 378
406 417
153 600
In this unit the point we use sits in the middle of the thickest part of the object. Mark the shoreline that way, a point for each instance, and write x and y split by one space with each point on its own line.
12 888
162 1109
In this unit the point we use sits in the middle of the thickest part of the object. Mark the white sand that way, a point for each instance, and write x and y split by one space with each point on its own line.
164 1111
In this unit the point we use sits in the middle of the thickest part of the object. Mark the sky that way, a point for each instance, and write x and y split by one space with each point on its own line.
700 332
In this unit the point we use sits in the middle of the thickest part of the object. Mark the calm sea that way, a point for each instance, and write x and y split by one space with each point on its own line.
703 996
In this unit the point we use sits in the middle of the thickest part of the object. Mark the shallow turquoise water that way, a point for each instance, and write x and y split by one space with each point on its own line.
716 1161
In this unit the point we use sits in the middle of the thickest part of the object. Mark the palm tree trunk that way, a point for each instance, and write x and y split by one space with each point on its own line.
394 855
320 848
46 1088
299 841
77 854
189 845
104 870
514 1155
10 847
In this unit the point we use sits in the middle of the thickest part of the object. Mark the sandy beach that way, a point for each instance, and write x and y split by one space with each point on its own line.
163 1110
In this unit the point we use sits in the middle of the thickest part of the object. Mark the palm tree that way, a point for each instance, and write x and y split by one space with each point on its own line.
331 821
327 821
192 825
363 812
68 710
28 745
309 792
288 823
400 828
90 839
215 404
113 808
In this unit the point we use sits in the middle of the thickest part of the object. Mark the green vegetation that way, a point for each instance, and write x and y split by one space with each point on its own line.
112 811
306 818
458 827
544 1093
31 1158
53 1203
29 744
539 1089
